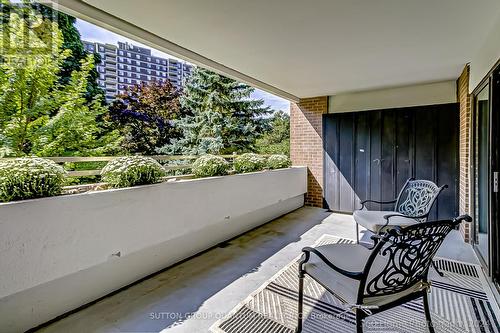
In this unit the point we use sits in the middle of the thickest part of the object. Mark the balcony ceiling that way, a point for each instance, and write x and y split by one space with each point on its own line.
321 47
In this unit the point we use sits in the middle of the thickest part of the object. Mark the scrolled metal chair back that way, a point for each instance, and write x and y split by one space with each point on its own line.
417 197
403 256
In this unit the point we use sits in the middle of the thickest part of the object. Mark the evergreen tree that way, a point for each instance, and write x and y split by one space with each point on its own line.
224 119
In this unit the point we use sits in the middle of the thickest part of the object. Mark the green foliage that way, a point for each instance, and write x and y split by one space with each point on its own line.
224 119
132 171
278 162
249 162
145 114
28 178
276 138
183 167
39 115
210 165
71 41
73 130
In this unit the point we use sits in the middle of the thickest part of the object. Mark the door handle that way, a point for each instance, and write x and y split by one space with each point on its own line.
495 182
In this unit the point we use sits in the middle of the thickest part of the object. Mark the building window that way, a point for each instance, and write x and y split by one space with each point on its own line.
120 52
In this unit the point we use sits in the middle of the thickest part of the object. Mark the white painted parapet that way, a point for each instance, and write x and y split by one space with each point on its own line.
59 253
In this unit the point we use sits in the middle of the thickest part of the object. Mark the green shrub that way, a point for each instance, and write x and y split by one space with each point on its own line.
278 162
29 178
132 171
210 165
249 162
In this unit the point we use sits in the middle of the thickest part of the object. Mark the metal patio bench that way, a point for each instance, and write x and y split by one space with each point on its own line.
412 205
369 281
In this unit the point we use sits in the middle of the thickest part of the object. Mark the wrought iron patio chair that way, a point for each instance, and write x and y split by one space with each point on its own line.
412 205
370 281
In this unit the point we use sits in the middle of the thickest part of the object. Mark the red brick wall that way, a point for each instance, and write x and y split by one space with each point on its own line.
464 148
306 143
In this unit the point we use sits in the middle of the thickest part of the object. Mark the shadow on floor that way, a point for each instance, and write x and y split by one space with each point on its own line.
169 298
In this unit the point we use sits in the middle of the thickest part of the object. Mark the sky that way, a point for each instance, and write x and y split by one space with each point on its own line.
94 33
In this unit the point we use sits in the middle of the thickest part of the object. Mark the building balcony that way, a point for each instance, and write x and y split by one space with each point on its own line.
411 91
120 257
194 295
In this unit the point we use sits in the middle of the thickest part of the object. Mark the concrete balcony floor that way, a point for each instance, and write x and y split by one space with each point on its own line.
192 295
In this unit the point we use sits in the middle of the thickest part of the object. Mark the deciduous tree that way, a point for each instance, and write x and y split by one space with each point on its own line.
276 138
146 114
39 115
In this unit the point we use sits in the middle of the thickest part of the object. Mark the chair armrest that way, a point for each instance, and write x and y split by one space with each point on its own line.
461 219
388 216
376 201
308 250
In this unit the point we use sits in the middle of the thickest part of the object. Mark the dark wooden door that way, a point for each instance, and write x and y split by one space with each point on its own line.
370 154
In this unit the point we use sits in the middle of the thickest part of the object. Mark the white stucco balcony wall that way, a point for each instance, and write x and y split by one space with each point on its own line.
59 253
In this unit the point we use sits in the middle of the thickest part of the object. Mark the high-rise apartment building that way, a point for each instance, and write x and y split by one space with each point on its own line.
126 64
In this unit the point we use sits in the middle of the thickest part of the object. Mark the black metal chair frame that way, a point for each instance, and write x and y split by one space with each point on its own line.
392 238
418 218
422 217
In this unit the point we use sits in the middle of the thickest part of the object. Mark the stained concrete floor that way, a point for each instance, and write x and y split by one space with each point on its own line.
191 296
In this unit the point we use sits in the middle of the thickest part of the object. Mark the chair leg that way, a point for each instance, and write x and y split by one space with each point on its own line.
441 274
357 233
427 311
359 322
301 301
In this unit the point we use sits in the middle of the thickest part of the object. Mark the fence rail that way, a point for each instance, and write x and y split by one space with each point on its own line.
97 172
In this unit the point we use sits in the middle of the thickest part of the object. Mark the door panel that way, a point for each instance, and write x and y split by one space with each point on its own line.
447 147
388 182
404 139
346 161
331 160
485 165
362 159
495 165
375 155
482 167
387 147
